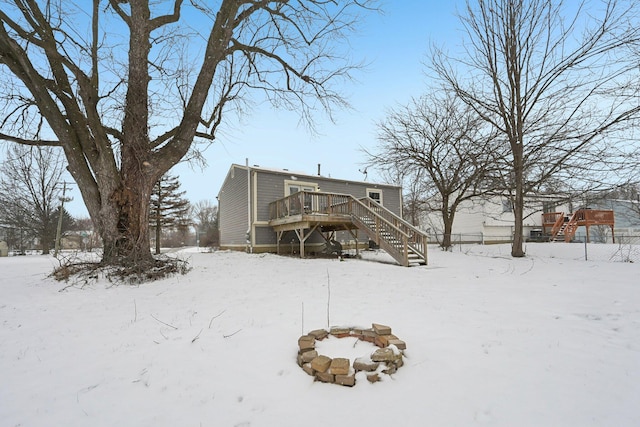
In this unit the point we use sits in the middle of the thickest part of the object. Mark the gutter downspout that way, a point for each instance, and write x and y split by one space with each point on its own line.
249 236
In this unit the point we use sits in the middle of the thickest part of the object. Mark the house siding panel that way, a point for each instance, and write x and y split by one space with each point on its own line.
233 221
268 186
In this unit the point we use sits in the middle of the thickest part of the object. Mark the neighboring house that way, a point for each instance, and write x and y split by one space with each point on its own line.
277 210
490 219
627 217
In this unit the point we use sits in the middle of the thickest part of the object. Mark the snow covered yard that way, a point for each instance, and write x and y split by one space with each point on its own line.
548 340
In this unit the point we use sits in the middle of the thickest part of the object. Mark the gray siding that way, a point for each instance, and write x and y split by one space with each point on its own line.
232 207
270 186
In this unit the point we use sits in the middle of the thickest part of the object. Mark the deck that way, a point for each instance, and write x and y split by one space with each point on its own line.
562 227
308 212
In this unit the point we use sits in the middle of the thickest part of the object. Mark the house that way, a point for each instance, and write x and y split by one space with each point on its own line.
490 219
626 218
281 211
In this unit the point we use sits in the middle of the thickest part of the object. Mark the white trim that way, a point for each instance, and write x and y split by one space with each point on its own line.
291 182
376 190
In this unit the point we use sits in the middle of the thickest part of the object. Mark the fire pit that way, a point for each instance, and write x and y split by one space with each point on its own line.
384 360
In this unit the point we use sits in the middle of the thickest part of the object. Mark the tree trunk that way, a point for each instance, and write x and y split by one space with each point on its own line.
158 221
446 238
448 214
128 242
44 241
517 247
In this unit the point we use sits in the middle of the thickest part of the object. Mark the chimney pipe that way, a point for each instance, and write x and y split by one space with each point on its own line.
318 169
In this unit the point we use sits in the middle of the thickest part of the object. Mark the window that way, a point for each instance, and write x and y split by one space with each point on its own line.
548 207
507 206
375 194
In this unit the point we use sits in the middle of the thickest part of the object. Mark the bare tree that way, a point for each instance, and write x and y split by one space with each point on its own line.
442 145
113 82
558 92
30 187
206 221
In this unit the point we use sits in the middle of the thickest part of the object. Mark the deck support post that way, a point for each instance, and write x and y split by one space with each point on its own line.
354 234
303 238
278 238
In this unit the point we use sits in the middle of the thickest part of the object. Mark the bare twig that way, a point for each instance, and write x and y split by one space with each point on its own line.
230 335
166 324
215 317
196 337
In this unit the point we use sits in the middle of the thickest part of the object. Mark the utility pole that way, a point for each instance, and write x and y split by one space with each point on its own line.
60 211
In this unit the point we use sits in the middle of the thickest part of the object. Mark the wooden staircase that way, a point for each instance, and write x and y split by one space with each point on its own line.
405 243
563 227
306 212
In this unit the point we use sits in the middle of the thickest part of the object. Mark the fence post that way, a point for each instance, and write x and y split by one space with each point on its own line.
585 250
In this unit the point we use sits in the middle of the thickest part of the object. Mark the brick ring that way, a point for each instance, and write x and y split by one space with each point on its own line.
383 361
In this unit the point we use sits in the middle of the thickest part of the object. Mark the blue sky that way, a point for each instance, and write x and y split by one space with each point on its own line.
393 44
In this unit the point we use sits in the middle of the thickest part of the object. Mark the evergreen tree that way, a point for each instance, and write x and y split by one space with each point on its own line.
169 208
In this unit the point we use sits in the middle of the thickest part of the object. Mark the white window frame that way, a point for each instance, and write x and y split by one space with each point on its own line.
303 186
378 191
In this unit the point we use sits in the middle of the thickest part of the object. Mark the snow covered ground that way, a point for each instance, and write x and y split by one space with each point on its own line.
547 340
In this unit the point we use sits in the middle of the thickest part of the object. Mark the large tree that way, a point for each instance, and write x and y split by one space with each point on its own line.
442 147
126 86
560 92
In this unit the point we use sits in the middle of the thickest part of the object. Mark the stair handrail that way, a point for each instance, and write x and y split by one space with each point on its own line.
557 225
399 250
400 220
572 225
379 216
417 239
337 203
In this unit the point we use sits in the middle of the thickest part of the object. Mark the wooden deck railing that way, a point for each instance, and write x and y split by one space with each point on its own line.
309 203
581 217
417 240
387 229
